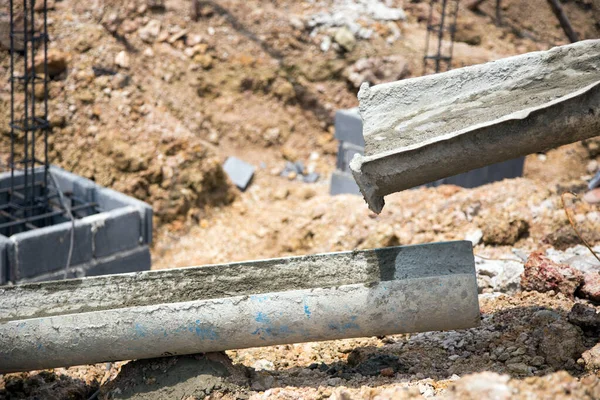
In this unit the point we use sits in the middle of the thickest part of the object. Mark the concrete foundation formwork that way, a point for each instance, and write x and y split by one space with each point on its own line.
214 308
116 239
423 129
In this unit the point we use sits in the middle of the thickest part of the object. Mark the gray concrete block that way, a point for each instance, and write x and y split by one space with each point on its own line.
349 127
68 182
488 174
5 243
109 200
343 183
41 251
115 231
346 152
240 172
72 273
131 261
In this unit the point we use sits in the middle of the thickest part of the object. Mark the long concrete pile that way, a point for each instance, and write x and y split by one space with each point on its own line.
220 307
423 129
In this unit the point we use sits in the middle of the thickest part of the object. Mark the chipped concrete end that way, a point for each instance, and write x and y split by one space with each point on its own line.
423 129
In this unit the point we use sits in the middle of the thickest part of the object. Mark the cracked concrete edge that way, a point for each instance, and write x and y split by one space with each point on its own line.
565 120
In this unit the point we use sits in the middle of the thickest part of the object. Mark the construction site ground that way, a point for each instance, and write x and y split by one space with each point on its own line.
150 101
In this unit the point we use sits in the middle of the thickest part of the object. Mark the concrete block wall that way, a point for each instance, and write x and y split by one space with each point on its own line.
116 240
348 130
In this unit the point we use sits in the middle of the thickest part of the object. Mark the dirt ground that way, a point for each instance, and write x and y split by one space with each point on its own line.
151 100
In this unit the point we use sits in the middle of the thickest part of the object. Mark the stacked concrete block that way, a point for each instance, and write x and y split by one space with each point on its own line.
115 240
348 131
488 174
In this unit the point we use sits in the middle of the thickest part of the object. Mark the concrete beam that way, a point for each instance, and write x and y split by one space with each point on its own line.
423 129
201 309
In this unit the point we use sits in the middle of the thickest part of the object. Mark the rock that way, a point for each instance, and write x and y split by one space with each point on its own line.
519 368
263 365
591 287
345 38
592 197
205 60
591 358
325 44
502 229
484 385
560 342
585 317
57 63
122 59
296 22
474 236
387 372
502 276
240 172
149 33
376 70
177 36
542 274
181 377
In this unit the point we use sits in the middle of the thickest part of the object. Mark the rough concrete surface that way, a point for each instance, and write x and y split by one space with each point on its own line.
423 129
235 279
403 297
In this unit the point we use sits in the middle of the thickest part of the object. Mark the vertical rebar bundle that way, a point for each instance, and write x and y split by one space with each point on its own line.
443 33
28 192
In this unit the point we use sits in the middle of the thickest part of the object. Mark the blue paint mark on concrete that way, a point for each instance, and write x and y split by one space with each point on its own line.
40 346
259 298
205 331
307 311
262 318
140 331
343 327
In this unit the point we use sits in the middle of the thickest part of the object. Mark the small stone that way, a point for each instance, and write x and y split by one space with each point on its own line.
474 236
585 317
542 274
592 197
519 368
122 59
149 33
454 357
591 358
484 385
537 361
325 44
57 63
387 372
591 287
240 172
281 193
177 35
345 38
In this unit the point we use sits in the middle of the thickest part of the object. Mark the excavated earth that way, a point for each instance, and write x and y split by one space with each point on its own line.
150 100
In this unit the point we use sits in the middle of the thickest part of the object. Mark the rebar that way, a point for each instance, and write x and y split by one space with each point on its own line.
29 201
444 31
